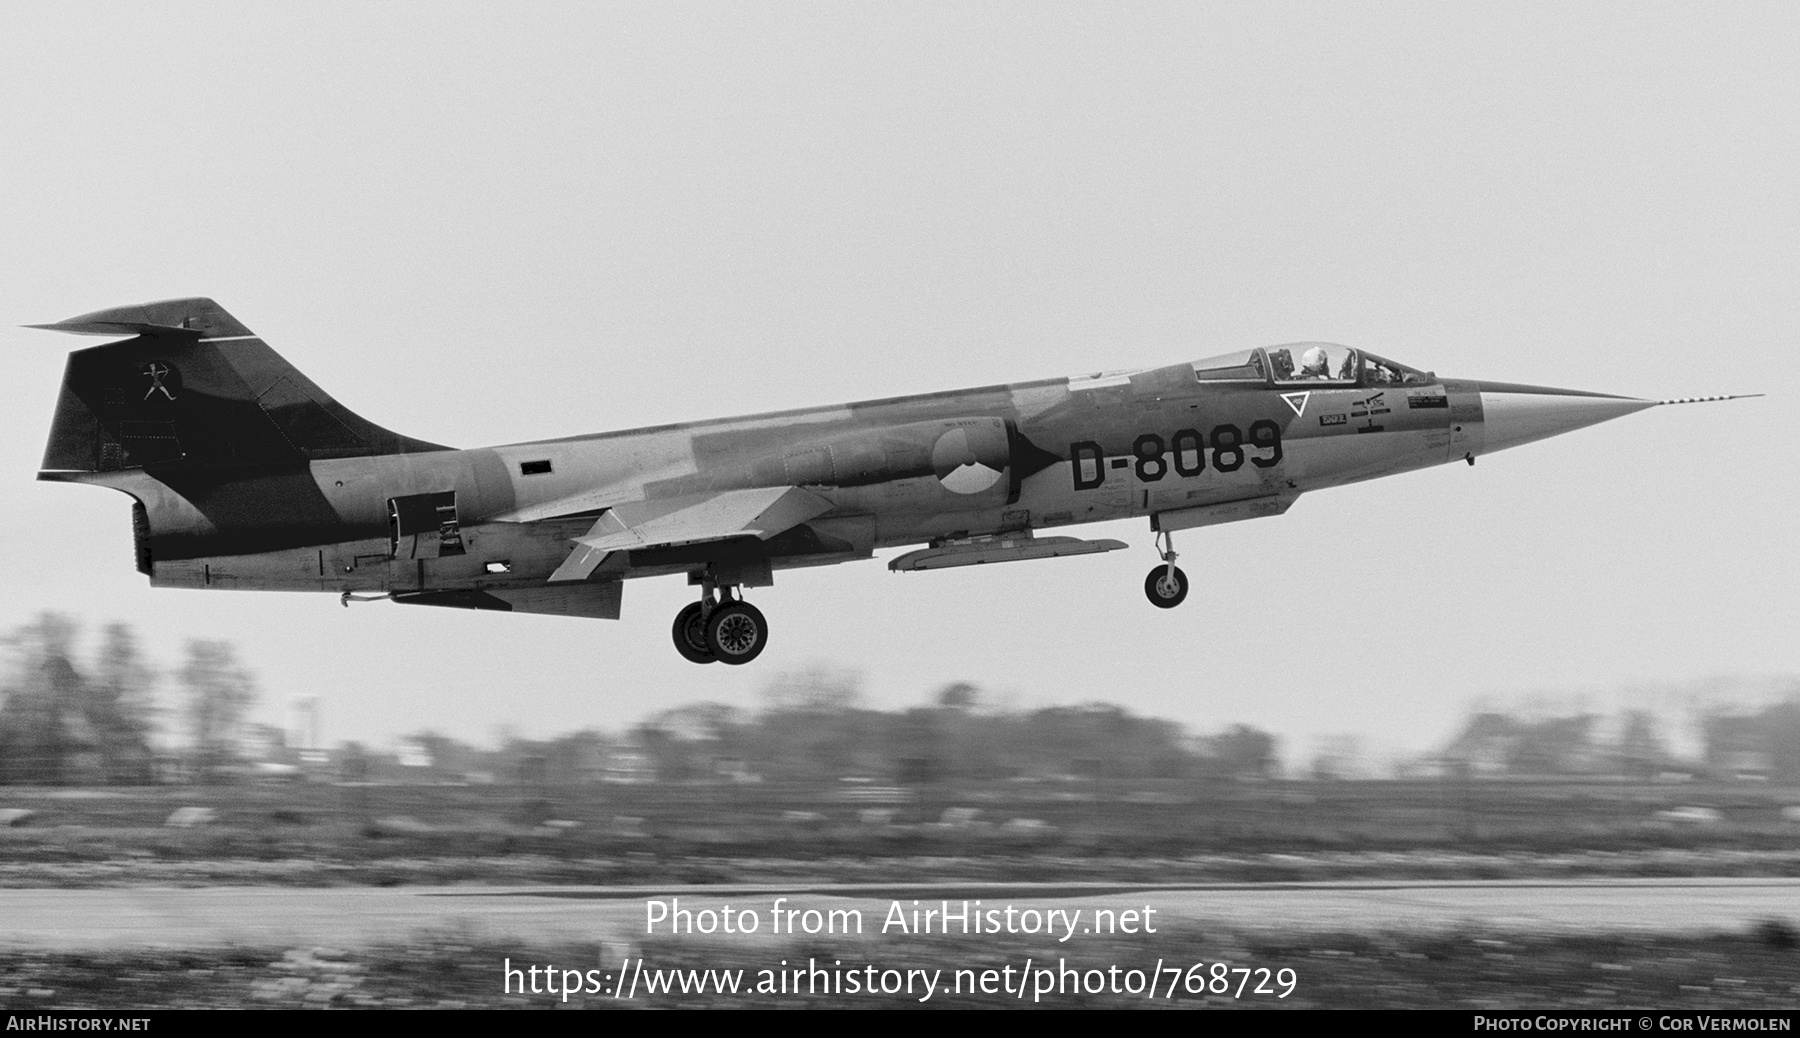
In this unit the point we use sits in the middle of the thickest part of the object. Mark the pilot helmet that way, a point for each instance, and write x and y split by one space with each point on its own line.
1314 362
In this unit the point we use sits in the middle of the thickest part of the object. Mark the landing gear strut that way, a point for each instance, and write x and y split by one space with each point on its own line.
720 628
1166 586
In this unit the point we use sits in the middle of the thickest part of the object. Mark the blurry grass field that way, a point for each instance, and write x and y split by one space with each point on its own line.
320 833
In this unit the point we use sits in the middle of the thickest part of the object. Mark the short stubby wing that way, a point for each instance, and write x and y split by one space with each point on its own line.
760 512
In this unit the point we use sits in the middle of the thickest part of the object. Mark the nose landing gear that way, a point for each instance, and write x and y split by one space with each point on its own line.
720 628
1166 586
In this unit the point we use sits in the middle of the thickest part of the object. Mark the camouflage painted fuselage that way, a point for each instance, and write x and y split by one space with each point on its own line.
1068 451
249 476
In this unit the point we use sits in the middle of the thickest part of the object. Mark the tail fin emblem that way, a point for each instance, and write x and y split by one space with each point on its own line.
156 373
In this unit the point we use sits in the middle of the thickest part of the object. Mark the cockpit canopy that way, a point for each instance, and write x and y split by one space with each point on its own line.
1329 362
1308 362
1232 367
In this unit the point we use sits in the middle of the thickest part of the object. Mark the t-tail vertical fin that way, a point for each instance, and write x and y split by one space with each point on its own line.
194 388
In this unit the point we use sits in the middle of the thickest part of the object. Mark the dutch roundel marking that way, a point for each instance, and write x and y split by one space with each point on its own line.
1297 401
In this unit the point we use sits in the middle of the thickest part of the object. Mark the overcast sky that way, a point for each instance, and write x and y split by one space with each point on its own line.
479 224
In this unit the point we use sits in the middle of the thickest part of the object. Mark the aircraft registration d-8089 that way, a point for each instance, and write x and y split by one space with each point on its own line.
246 475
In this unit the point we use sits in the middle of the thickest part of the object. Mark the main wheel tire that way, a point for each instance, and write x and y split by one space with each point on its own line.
736 633
690 636
1161 592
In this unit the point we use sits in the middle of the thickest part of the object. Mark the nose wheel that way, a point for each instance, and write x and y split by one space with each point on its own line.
1166 586
725 629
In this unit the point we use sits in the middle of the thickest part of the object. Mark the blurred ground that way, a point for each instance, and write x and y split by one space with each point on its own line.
115 918
1139 832
1465 968
314 894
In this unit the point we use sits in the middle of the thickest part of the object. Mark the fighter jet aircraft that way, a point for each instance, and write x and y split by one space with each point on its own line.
246 475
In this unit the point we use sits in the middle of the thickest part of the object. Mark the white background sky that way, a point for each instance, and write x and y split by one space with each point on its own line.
483 224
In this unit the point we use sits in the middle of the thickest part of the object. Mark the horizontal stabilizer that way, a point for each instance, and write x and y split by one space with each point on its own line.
1006 548
197 317
760 512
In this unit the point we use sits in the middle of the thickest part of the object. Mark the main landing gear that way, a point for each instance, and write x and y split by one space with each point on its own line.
720 628
1166 586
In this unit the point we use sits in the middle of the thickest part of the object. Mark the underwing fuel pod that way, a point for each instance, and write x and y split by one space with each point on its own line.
247 475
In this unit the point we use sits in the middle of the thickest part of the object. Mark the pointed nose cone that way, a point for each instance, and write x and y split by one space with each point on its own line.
1512 415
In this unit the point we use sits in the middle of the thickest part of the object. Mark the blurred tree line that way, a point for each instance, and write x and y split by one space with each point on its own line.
814 726
1763 743
1736 742
68 717
65 719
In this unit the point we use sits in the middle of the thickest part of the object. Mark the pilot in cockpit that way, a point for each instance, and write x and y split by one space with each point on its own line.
1314 364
